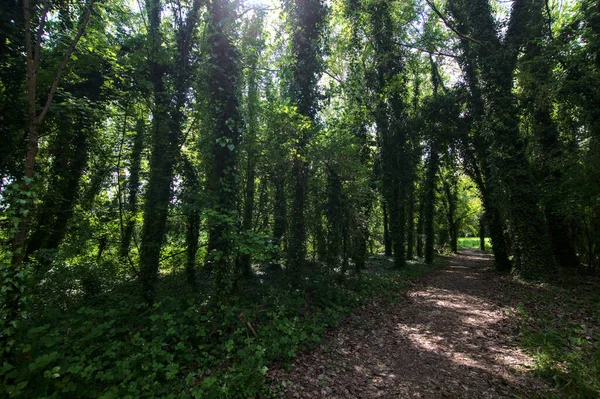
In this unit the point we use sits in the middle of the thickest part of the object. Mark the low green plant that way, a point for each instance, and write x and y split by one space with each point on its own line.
559 331
184 346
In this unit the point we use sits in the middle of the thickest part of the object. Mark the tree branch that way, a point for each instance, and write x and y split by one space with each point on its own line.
458 57
38 38
449 25
63 64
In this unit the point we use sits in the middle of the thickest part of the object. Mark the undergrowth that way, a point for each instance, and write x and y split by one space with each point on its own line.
185 346
561 330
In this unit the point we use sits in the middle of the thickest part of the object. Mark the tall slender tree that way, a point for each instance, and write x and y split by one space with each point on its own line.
168 118
307 22
227 127
254 44
391 124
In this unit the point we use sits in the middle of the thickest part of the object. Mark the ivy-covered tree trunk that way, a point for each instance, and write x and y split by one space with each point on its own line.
476 153
429 201
387 237
133 187
279 216
319 233
307 17
70 155
481 233
162 160
495 223
497 59
192 217
536 72
492 215
410 225
335 219
167 123
391 127
420 224
449 189
224 93
33 48
252 130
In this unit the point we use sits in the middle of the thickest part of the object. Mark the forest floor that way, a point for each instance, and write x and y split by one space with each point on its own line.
449 334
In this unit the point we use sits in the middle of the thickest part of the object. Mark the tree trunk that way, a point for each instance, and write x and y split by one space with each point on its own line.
32 52
429 202
250 138
307 19
387 238
168 119
133 187
497 60
223 88
481 233
410 226
70 154
335 219
421 224
162 160
192 217
537 65
449 188
279 217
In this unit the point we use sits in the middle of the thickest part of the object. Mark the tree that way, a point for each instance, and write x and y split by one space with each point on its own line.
168 118
33 48
495 60
255 44
307 18
227 126
391 126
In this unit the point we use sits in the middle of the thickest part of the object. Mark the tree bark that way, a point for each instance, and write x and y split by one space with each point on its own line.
34 120
429 202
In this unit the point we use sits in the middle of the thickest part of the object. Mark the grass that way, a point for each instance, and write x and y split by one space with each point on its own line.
473 243
560 329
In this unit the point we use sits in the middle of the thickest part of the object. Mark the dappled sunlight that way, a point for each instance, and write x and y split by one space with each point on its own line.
450 338
472 344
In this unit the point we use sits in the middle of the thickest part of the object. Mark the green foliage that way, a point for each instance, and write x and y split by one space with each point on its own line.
255 139
560 330
15 295
181 347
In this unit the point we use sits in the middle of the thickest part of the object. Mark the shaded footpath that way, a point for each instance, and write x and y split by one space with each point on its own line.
449 337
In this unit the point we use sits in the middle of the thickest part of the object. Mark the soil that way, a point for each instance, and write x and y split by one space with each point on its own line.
450 336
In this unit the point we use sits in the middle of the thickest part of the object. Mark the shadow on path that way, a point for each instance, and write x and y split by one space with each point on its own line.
451 338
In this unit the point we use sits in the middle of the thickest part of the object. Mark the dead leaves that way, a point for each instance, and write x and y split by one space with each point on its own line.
449 336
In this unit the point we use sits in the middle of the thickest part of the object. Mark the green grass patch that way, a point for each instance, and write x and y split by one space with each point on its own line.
473 243
186 346
561 330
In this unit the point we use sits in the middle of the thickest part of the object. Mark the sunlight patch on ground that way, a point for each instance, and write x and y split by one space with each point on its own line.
473 344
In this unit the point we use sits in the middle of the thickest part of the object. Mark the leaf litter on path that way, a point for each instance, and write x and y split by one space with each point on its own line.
450 337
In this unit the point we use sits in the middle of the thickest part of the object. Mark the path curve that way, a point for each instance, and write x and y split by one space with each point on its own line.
451 337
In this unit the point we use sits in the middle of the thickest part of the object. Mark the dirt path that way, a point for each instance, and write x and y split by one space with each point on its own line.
450 338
